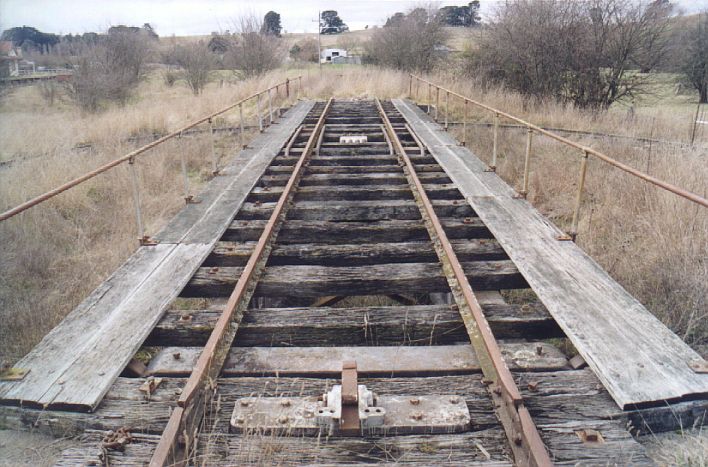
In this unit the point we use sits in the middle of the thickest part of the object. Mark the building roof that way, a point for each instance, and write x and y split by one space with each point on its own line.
8 51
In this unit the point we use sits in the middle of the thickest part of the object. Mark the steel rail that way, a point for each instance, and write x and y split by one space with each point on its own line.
586 149
523 435
130 156
211 360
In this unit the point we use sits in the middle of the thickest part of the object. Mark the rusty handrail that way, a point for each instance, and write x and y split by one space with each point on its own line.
585 149
131 155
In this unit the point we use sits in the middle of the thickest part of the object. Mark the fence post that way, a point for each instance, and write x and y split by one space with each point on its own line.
258 112
299 88
214 163
189 199
464 126
417 89
287 88
410 87
240 123
527 160
447 109
579 195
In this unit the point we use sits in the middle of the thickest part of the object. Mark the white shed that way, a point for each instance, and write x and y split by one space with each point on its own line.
328 54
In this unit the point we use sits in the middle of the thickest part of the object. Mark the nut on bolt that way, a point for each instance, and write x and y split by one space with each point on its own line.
417 416
414 401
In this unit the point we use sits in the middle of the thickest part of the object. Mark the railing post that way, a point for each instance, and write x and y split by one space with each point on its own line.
270 107
447 109
258 112
579 195
417 89
464 125
437 102
214 163
287 88
527 160
240 123
430 97
495 146
410 87
136 201
299 87
185 178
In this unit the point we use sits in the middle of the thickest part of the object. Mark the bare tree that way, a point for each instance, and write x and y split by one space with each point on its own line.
412 42
250 52
196 63
110 70
588 52
305 50
694 64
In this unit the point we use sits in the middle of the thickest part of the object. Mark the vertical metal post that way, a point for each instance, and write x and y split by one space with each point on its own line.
258 112
417 89
525 187
410 87
578 196
287 88
136 200
430 97
299 88
185 177
214 164
495 148
240 123
437 102
270 107
447 109
464 125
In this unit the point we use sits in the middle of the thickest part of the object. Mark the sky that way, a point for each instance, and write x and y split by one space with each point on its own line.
195 17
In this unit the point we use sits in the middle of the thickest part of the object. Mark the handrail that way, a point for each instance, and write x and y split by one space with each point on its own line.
586 149
131 155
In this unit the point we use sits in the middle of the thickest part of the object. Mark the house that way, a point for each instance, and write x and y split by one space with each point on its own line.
10 58
327 55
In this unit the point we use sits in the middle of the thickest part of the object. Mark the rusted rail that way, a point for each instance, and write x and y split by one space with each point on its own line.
185 419
131 155
585 150
524 438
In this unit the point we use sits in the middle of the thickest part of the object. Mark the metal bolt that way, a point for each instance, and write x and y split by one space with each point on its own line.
285 403
539 350
283 419
244 403
518 440
533 385
240 420
176 355
454 400
415 401
417 416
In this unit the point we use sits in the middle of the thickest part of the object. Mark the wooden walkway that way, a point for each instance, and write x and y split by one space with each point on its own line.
637 358
78 361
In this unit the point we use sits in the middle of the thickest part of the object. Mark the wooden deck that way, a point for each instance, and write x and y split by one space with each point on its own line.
78 361
638 359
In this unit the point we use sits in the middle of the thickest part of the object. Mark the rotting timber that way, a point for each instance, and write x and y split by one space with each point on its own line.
356 246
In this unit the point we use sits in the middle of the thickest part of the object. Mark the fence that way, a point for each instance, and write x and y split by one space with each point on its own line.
266 95
531 129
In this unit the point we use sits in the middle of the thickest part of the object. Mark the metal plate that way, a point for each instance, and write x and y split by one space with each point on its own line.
296 416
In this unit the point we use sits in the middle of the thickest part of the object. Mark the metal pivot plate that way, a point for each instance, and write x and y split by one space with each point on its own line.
353 139
300 416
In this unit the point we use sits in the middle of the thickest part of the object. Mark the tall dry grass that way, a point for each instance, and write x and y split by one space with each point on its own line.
54 254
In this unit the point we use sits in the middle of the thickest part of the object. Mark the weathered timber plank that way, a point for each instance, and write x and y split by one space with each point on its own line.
228 450
393 325
320 281
354 192
237 254
395 209
371 361
75 364
295 231
347 179
636 357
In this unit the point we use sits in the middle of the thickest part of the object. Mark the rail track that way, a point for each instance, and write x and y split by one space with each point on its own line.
355 310
355 206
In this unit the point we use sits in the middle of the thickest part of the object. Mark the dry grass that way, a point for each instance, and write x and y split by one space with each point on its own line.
56 253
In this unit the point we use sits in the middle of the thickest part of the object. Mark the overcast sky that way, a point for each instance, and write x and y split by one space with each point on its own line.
184 17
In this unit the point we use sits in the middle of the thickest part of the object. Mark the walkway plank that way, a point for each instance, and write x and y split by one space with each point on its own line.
76 363
637 358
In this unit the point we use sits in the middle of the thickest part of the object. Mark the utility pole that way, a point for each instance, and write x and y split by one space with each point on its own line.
319 44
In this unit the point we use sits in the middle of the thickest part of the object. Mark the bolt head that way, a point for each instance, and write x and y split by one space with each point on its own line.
285 403
414 401
283 419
